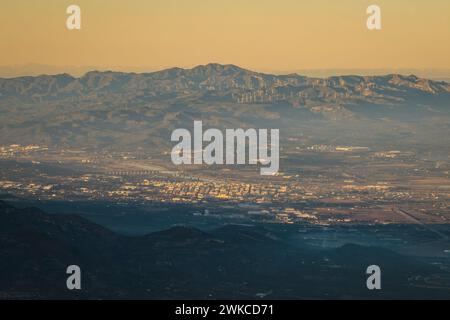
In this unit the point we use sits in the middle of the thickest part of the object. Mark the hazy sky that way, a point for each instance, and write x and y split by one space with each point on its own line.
266 35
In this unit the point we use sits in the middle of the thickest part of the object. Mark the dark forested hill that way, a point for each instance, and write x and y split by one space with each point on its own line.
235 261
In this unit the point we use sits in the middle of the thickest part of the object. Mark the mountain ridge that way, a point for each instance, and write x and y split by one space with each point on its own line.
213 67
210 77
107 108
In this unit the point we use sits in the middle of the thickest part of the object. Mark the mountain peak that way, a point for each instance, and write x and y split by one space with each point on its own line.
224 69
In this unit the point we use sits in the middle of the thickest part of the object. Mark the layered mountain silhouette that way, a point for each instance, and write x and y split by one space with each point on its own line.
224 82
232 262
127 109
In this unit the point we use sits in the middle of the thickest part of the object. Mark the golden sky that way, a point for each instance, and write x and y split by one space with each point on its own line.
265 35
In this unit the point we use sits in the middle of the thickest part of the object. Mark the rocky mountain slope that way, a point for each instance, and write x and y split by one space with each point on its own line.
102 109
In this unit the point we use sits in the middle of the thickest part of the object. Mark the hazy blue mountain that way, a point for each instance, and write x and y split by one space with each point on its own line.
103 109
221 81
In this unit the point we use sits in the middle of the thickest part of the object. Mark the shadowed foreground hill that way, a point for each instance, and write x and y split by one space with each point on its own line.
234 262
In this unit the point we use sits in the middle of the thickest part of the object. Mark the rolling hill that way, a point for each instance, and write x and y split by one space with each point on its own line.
232 262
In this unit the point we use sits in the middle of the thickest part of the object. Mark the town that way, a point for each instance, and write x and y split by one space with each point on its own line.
316 193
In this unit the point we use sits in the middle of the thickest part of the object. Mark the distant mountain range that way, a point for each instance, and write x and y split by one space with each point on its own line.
232 262
224 83
105 108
